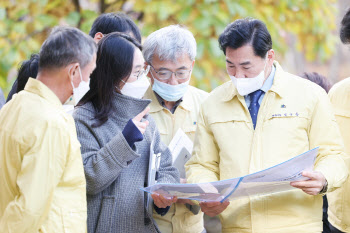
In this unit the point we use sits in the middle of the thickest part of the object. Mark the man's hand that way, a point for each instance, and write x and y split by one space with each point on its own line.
162 202
312 186
137 120
213 208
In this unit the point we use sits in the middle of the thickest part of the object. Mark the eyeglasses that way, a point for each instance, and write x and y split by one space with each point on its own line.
137 75
166 74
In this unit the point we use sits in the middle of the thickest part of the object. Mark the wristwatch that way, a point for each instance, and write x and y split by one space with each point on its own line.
324 189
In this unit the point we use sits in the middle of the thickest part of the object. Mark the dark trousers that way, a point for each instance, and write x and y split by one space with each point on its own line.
327 227
334 230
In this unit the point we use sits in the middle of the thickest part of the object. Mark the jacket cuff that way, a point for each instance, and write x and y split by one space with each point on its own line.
161 211
334 171
131 133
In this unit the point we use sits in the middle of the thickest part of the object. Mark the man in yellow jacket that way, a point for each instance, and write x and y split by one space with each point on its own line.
262 117
42 178
171 52
339 200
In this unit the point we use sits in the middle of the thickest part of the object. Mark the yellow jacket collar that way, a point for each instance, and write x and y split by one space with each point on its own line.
231 90
38 88
155 106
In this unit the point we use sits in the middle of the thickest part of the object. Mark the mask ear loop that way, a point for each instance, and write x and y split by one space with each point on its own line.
81 76
266 59
71 81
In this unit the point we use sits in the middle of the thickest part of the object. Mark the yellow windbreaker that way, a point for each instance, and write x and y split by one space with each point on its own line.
295 116
179 218
339 200
41 177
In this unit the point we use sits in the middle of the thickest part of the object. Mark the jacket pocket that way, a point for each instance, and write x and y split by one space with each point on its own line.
189 129
106 214
288 121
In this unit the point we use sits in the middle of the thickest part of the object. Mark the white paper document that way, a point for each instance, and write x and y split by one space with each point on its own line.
181 148
272 180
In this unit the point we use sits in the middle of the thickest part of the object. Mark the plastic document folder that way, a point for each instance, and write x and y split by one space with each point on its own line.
153 166
271 180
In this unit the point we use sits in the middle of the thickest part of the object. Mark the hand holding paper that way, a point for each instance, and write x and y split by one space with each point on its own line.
314 185
278 178
161 201
213 208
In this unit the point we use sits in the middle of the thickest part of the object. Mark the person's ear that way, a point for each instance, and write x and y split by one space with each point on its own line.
146 64
74 72
271 57
150 69
98 36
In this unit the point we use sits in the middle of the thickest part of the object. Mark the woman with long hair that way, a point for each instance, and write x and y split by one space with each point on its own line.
116 134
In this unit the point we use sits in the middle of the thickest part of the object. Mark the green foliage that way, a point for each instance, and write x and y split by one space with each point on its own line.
24 24
312 22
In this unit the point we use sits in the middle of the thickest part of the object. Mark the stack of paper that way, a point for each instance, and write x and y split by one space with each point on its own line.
272 180
181 148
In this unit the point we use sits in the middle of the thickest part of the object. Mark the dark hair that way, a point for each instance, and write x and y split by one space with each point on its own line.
28 69
345 28
114 62
115 22
318 79
246 32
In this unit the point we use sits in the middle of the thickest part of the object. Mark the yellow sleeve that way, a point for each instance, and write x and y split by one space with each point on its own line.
204 163
324 132
41 170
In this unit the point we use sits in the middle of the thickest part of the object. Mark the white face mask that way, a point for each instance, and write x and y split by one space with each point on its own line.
136 89
81 90
170 92
246 86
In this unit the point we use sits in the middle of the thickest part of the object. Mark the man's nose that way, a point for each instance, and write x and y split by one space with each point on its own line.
239 74
173 80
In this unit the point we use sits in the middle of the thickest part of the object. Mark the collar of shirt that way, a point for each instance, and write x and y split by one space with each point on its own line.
161 102
36 87
266 86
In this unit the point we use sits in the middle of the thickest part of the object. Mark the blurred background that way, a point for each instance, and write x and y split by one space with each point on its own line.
304 32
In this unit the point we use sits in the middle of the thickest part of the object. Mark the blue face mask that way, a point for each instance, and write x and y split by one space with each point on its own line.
170 92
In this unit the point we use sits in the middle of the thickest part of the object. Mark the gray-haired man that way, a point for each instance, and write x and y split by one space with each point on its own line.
42 179
171 53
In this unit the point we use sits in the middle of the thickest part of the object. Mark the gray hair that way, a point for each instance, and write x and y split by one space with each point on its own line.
64 46
169 43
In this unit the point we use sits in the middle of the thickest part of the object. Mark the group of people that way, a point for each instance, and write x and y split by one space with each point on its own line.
86 112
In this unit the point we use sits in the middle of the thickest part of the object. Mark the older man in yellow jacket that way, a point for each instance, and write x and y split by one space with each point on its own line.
339 200
42 178
262 117
171 52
